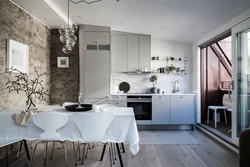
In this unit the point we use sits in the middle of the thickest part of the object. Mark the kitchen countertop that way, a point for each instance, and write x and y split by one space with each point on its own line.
151 94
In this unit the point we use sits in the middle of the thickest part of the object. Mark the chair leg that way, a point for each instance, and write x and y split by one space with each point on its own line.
215 118
58 144
110 154
119 154
79 151
123 148
207 115
225 115
52 151
45 152
19 150
83 152
114 151
65 151
103 151
74 150
7 156
34 153
88 146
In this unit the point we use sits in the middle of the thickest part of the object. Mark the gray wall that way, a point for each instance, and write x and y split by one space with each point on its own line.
17 25
64 81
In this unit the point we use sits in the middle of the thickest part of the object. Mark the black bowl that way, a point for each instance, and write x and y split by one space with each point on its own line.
84 107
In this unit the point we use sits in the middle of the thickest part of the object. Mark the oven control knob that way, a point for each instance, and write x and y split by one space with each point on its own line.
139 97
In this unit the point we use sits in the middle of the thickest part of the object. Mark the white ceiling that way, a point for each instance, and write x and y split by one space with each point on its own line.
184 20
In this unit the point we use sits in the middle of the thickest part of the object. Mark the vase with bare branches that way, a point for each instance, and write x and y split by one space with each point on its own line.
33 88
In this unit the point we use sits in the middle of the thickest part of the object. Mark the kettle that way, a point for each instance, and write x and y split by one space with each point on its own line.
161 70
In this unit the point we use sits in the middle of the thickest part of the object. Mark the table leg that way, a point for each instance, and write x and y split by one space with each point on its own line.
119 154
26 149
103 151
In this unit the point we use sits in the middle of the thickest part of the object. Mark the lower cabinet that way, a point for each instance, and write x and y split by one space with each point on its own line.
173 109
182 109
160 110
97 101
119 101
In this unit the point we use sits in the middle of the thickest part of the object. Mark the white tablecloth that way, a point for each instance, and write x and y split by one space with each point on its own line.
122 129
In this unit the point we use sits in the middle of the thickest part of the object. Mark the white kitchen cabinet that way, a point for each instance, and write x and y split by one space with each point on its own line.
119 101
182 109
160 110
96 101
96 74
132 52
97 38
118 53
144 52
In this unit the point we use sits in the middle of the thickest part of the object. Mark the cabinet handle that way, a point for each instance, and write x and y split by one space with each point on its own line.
95 41
117 103
117 97
181 97
159 97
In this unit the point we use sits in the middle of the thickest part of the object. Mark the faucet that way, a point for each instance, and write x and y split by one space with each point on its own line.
79 100
176 87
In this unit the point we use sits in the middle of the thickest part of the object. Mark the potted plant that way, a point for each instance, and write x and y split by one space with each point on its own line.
171 68
153 79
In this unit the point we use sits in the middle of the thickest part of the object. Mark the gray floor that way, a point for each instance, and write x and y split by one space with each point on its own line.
208 154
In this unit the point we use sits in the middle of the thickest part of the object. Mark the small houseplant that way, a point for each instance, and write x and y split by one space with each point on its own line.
32 88
171 69
153 79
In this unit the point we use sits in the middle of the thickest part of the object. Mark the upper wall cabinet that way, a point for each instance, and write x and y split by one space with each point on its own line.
97 40
130 52
94 38
118 53
144 52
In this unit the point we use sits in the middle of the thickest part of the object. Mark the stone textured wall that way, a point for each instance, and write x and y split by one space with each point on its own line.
17 25
64 81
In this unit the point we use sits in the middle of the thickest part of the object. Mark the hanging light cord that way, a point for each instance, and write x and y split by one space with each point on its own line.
68 13
87 1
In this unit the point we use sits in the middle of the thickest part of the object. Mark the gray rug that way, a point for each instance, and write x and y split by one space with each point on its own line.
166 137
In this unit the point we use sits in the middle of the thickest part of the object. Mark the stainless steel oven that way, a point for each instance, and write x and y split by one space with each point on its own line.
142 106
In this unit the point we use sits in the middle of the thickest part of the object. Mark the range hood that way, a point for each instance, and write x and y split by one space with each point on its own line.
138 72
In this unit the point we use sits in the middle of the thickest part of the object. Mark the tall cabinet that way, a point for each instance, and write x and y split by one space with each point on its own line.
94 63
130 52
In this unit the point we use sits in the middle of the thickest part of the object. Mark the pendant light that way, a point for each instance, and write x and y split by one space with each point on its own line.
67 35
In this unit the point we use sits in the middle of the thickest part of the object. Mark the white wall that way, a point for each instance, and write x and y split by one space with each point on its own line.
195 68
161 49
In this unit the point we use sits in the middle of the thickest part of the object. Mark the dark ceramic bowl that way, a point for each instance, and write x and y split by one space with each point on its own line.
84 107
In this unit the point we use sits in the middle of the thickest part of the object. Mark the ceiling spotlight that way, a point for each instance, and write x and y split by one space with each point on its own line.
121 22
203 32
46 18
79 17
163 27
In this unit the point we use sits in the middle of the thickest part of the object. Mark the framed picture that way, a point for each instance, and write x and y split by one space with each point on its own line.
63 62
17 56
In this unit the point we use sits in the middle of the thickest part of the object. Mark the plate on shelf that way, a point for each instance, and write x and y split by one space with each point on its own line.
124 86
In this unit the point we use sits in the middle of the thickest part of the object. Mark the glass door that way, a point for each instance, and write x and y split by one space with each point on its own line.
241 77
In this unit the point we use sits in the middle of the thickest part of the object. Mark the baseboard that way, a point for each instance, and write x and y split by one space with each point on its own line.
165 127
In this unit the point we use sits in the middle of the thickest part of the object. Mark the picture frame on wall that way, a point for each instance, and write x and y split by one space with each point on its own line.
17 56
63 62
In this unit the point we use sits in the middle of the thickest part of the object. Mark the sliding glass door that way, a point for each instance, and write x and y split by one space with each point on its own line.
241 77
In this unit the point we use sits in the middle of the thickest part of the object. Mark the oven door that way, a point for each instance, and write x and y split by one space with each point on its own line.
142 110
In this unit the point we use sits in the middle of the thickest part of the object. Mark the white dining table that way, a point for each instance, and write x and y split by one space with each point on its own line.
122 129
